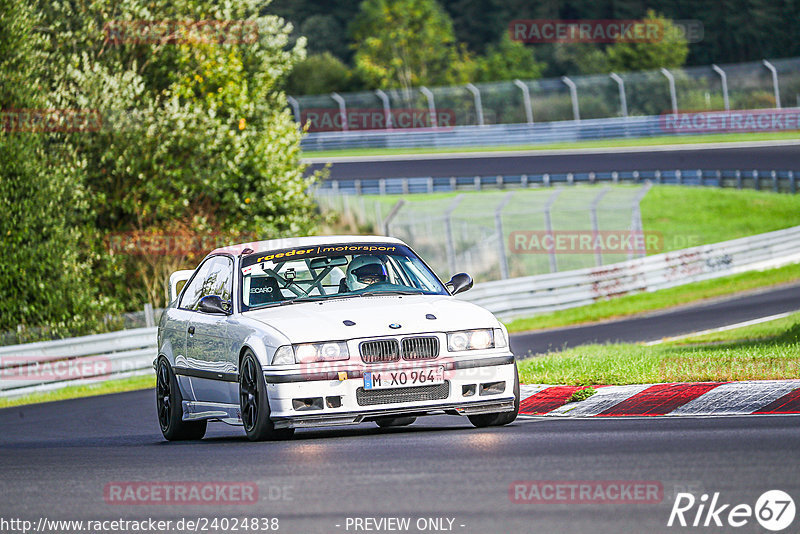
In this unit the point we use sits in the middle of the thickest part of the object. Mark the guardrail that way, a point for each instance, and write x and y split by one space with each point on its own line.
488 135
758 179
48 365
531 295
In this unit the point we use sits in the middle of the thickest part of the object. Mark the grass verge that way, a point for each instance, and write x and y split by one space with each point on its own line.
666 298
600 143
88 390
759 352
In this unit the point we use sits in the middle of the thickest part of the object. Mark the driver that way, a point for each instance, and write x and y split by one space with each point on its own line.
364 271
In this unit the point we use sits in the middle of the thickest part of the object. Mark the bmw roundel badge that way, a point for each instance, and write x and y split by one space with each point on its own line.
394 326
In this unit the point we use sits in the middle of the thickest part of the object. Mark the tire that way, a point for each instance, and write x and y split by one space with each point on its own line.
502 418
169 407
254 403
388 422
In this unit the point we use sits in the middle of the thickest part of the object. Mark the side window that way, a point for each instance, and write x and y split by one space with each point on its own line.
214 278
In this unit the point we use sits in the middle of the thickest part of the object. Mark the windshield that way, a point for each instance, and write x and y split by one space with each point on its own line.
334 271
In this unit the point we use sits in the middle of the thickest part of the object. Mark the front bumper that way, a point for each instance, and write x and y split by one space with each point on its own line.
336 396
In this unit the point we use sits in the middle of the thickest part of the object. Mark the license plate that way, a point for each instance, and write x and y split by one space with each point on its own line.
401 378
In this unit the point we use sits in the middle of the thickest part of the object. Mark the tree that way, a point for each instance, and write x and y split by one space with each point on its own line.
668 52
318 74
196 135
406 43
45 276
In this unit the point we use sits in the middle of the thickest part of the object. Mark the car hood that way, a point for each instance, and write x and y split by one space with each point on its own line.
324 320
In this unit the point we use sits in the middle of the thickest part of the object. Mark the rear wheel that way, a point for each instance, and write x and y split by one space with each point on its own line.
387 422
254 403
169 405
502 418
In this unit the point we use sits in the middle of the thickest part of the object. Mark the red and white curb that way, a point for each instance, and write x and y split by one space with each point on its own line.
674 399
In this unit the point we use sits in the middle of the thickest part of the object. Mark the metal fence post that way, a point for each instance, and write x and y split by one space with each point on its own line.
450 246
431 104
636 219
498 223
724 78
573 93
391 215
387 107
548 226
149 317
526 100
673 97
623 101
342 109
476 94
296 110
775 87
598 255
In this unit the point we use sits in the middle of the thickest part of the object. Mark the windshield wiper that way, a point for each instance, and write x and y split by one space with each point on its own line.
390 292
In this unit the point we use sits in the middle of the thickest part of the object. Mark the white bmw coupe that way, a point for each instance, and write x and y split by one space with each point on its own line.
321 331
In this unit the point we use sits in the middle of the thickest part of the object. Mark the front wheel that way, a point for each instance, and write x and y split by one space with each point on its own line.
502 418
169 405
254 403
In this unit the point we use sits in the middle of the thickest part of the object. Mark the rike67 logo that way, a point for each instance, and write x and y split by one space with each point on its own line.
774 510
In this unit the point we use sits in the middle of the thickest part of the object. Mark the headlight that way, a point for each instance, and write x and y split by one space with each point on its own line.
500 338
283 356
311 352
470 340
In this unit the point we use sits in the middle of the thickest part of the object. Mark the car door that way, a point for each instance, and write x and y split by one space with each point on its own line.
178 324
206 345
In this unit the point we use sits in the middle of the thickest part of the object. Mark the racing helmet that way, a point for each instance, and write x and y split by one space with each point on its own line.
363 269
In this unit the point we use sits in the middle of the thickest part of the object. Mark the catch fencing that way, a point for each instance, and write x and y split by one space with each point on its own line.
627 104
479 233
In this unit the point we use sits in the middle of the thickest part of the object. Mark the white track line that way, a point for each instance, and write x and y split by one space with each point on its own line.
548 152
722 328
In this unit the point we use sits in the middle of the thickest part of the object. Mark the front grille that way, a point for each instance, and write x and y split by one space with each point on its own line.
420 348
380 351
413 394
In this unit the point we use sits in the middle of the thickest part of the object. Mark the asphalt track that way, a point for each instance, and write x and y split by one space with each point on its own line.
57 458
759 156
667 323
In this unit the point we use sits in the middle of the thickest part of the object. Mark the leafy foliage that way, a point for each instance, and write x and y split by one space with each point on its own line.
406 43
669 52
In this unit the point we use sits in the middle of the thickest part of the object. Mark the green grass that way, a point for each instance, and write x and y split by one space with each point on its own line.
773 356
690 216
666 298
74 392
601 143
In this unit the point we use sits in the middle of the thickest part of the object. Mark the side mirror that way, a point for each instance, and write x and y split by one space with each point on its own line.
214 304
459 283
